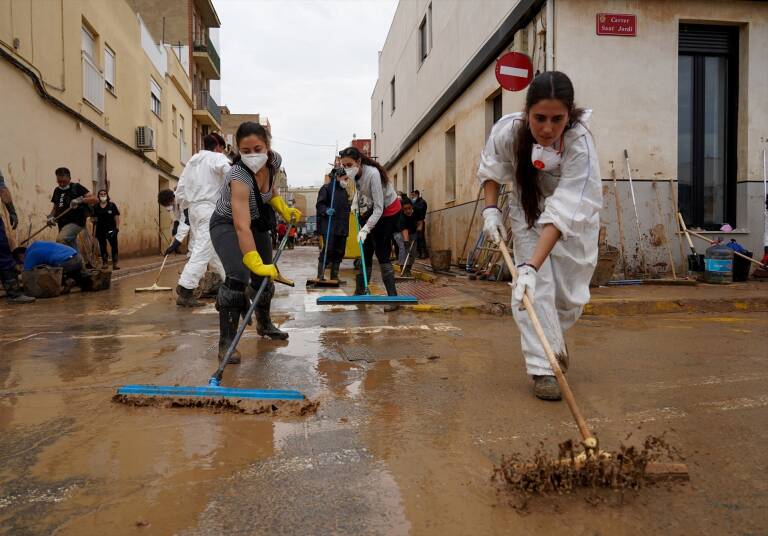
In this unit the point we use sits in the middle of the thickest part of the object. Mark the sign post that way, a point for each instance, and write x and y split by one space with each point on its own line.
514 71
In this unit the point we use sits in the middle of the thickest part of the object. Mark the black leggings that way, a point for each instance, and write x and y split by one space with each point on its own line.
224 238
379 240
103 238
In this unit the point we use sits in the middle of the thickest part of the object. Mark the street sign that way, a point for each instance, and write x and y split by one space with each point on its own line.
514 71
616 24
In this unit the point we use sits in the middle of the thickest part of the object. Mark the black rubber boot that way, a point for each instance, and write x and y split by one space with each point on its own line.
360 282
114 263
186 298
388 277
335 271
264 325
320 270
12 289
229 303
546 388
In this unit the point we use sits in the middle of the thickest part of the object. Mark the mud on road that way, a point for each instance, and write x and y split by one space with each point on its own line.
415 412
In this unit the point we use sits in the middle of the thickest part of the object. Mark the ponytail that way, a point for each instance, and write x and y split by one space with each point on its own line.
355 154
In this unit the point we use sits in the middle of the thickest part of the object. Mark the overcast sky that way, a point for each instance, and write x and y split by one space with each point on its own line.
309 66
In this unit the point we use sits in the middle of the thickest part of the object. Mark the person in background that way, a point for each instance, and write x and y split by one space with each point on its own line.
405 235
197 193
420 209
53 254
180 228
338 215
8 274
377 205
70 201
292 238
106 226
282 228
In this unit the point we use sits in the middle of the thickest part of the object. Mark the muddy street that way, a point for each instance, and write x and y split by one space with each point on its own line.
415 410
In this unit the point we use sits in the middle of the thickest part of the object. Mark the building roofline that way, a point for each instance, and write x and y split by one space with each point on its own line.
520 16
208 13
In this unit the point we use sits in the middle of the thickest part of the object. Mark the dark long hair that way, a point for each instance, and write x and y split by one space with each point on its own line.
354 153
250 128
548 85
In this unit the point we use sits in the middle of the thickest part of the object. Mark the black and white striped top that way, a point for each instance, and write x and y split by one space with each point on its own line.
237 173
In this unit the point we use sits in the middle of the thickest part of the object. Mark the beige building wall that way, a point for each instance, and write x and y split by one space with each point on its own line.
46 132
629 82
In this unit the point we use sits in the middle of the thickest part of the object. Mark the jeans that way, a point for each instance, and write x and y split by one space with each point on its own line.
68 235
6 260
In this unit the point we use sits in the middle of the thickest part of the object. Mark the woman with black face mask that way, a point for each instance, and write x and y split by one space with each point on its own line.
241 228
106 226
377 205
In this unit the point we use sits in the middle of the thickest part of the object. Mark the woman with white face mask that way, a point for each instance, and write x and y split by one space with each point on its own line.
377 205
546 157
241 229
106 226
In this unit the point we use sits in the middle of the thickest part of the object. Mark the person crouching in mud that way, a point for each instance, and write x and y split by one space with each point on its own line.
546 157
241 233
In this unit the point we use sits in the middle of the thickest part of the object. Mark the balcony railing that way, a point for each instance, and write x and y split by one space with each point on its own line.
93 83
206 102
208 47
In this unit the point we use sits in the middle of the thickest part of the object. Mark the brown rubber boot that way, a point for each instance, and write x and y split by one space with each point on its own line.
546 388
186 298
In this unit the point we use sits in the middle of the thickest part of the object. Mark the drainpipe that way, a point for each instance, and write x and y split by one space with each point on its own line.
549 63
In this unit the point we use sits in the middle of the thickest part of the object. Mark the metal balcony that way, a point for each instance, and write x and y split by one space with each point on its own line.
206 111
207 59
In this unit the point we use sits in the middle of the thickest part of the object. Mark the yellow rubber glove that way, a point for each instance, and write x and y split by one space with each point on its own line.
253 262
288 213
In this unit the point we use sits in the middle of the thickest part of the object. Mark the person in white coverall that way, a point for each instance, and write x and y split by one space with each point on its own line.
179 228
546 157
197 192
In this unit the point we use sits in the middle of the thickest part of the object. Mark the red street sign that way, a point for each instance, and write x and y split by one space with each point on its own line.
514 71
616 24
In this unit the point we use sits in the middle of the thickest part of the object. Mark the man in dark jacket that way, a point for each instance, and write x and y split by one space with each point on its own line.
420 209
337 214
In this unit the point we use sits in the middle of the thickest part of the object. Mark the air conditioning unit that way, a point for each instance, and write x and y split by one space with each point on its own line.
145 138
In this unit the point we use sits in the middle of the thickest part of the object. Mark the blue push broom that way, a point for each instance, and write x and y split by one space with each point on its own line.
251 401
366 298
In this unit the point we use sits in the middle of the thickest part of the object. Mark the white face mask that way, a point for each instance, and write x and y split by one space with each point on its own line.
545 158
65 187
352 172
102 199
169 208
254 161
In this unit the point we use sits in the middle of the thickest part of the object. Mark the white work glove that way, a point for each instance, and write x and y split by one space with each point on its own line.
362 235
493 228
524 282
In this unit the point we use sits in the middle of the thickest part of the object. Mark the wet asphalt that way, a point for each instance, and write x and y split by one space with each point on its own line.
415 410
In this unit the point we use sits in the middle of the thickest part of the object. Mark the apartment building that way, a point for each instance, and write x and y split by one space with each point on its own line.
230 122
191 28
86 86
681 85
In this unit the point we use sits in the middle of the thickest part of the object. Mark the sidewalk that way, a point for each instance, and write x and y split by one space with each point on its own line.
437 292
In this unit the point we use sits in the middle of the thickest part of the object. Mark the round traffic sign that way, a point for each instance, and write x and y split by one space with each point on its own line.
514 71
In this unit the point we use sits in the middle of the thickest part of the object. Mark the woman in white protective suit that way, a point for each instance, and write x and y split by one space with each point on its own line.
546 157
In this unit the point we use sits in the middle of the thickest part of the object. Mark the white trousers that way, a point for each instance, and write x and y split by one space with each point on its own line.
202 252
562 290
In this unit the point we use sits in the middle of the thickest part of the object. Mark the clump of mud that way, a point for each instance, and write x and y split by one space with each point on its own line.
293 408
630 468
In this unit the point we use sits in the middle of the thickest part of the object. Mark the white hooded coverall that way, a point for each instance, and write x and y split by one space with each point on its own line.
571 201
198 191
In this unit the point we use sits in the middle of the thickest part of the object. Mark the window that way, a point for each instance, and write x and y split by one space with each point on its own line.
173 119
425 35
109 68
375 154
450 165
392 90
155 96
382 115
405 180
423 39
181 126
492 111
88 43
394 182
707 114
411 181
100 180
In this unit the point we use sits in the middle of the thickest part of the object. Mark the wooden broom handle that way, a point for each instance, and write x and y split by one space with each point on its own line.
161 269
566 390
685 229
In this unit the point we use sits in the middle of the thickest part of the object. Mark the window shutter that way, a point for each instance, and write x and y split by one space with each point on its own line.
109 66
696 39
155 89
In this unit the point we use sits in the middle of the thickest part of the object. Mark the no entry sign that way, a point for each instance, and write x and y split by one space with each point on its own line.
514 71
